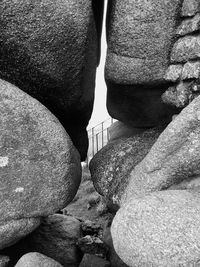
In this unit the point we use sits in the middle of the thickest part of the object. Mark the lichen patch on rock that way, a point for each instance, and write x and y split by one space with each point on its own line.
3 161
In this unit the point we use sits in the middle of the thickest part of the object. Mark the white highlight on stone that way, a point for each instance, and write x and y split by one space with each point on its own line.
198 115
19 189
3 161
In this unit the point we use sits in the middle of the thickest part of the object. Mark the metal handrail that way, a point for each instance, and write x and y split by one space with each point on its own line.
98 138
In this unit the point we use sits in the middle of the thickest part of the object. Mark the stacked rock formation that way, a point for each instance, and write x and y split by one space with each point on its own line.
140 36
157 223
184 71
153 177
49 50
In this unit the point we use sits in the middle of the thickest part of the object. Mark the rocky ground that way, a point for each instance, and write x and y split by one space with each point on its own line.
78 235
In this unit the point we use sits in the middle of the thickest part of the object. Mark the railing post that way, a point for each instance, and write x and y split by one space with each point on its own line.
93 142
102 129
97 145
107 134
97 139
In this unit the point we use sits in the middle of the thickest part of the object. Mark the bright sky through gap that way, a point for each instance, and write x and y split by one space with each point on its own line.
99 111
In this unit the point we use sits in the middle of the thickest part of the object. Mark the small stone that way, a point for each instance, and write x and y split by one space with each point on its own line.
190 8
184 95
93 245
94 261
185 49
174 72
159 229
4 261
196 87
94 200
170 96
34 259
90 228
189 25
191 70
179 95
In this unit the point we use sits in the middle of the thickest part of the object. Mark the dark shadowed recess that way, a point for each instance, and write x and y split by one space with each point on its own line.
108 16
98 8
139 105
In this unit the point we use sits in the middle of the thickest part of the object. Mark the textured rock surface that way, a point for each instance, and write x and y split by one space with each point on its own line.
173 158
39 167
174 72
161 229
189 25
93 245
186 48
190 7
140 37
119 129
111 166
92 260
4 261
13 230
56 237
191 70
180 95
49 50
139 40
190 183
35 259
81 207
88 227
114 259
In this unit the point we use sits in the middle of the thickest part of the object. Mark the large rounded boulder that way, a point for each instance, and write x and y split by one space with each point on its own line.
39 167
160 229
111 166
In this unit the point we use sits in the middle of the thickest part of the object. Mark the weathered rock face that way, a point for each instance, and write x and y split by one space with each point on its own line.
35 259
160 229
4 261
186 48
184 71
113 257
13 230
140 37
111 166
49 50
190 8
173 158
189 25
119 129
39 167
56 237
92 260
